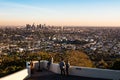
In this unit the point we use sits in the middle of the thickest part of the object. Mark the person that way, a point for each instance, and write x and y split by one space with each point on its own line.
31 66
62 67
48 64
67 67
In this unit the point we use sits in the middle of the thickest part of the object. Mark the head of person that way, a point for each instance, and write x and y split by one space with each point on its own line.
62 59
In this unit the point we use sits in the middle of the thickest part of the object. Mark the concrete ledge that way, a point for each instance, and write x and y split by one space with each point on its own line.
87 72
20 75
95 73
74 70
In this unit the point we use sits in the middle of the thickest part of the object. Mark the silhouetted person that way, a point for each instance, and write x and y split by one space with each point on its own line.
49 64
50 61
31 67
67 67
62 67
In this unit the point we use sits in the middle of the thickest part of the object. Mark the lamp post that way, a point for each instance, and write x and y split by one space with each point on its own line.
39 63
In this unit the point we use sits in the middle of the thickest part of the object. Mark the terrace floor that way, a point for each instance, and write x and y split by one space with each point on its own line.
48 75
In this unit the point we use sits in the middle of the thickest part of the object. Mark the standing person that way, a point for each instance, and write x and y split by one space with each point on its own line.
48 64
67 67
62 67
31 66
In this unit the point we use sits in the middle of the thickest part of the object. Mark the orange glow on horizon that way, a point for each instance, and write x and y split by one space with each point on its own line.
60 23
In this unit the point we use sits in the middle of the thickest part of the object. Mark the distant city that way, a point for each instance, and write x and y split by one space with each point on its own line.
21 44
34 38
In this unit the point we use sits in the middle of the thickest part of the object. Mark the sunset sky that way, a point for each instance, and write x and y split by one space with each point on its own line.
60 12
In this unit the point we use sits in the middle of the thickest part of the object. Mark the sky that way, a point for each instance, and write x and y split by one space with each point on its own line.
60 12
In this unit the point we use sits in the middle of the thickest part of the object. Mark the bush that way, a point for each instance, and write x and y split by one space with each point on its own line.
116 65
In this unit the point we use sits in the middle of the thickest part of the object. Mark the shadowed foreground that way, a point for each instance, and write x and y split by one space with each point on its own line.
47 75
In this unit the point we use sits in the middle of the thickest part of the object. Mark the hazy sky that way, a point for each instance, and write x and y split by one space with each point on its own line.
60 12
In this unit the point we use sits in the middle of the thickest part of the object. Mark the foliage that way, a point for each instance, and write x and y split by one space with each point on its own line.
10 64
75 58
78 58
14 62
102 64
34 56
116 65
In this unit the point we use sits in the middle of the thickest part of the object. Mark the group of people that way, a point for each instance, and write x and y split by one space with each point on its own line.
64 67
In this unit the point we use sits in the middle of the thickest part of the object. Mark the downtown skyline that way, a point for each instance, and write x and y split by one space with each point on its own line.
60 12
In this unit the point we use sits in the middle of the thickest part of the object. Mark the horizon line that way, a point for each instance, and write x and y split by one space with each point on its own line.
62 25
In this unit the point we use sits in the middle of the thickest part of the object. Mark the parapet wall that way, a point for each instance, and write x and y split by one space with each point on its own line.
74 70
87 72
20 75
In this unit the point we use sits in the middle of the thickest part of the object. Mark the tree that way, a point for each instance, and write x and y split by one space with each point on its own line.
116 65
76 58
11 64
102 64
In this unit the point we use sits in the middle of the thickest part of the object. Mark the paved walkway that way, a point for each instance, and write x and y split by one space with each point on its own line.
47 75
